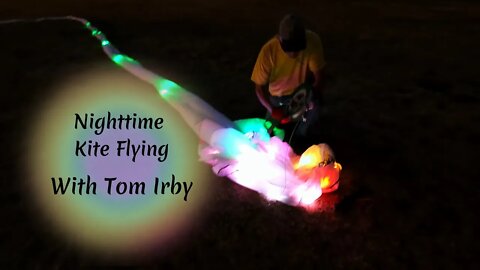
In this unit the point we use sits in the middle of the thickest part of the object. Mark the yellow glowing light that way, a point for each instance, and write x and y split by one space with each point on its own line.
325 182
337 166
310 158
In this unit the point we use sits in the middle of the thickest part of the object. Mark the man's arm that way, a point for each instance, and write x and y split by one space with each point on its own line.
262 97
261 74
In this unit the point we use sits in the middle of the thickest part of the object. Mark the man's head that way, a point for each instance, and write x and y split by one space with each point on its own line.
291 33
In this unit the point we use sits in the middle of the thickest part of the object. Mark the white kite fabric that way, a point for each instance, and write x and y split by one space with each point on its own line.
241 150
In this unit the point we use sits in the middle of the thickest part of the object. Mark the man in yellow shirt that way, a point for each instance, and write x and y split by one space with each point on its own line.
290 60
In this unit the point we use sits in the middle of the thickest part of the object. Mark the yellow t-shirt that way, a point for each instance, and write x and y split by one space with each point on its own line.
282 73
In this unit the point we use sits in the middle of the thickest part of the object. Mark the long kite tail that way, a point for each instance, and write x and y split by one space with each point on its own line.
197 113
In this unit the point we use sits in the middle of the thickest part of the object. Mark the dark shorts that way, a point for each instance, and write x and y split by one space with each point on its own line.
300 126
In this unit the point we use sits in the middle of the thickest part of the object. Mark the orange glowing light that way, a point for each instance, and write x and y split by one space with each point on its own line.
337 166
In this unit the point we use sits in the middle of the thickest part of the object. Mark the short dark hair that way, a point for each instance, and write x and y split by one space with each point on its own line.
292 33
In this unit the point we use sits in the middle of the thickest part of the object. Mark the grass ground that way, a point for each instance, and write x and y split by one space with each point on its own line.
402 117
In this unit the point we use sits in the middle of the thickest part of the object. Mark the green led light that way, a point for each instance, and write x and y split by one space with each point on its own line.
105 43
121 59
260 127
280 133
164 86
163 92
94 32
117 59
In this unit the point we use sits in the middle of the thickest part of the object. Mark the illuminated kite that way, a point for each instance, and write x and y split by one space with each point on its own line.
241 150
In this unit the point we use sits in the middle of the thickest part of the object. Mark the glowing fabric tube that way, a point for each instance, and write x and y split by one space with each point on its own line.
242 150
